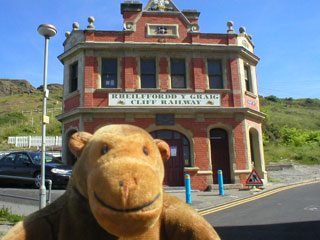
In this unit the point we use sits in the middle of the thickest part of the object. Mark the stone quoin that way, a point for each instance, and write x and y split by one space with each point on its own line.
197 91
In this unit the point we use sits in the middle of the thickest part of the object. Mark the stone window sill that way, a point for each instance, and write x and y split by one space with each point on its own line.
251 94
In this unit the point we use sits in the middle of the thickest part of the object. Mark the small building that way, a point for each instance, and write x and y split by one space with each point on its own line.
198 91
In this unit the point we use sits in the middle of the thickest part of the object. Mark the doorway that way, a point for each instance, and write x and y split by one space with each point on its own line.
256 160
220 154
179 156
70 158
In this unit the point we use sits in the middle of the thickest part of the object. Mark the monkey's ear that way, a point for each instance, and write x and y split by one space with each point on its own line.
163 148
78 141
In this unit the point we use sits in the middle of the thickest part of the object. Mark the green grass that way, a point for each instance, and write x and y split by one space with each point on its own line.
16 118
270 180
291 131
7 216
299 113
307 154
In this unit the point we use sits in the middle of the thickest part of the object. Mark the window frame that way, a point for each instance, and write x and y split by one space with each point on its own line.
212 74
147 74
73 77
113 73
174 74
247 78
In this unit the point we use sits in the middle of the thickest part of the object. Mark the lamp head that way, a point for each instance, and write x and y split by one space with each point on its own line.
47 30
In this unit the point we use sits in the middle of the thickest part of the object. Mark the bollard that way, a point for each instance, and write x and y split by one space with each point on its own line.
220 181
188 188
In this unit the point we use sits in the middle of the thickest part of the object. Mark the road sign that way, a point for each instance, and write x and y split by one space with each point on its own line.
254 179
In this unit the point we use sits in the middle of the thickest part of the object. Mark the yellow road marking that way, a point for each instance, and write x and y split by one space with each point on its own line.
253 198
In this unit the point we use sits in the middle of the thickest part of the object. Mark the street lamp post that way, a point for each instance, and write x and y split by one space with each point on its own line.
46 30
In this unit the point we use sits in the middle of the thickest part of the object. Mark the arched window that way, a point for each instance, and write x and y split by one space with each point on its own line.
173 135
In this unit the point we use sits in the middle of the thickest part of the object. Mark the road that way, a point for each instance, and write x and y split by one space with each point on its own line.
21 206
291 214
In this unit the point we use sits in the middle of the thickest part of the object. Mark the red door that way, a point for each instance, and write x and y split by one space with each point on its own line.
180 156
175 165
220 154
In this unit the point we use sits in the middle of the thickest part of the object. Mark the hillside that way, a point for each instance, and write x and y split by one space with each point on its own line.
299 113
30 100
20 113
10 87
291 130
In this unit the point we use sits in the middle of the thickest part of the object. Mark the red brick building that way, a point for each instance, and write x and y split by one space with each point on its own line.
197 91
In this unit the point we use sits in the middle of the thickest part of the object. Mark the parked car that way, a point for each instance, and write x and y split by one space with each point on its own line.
28 164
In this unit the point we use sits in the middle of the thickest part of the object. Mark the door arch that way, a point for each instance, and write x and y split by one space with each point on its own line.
179 156
255 150
70 158
220 158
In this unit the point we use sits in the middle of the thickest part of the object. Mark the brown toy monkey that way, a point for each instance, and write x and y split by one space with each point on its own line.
115 193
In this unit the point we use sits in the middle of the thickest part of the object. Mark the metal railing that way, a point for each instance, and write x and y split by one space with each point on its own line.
49 181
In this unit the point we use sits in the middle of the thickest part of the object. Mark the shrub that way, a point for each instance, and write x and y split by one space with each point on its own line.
28 130
313 136
293 136
272 98
6 215
13 116
54 128
309 101
305 154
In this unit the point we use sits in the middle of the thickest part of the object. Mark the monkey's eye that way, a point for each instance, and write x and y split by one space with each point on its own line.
145 151
104 149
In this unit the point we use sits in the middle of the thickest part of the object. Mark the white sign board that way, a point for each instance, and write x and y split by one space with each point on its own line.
173 151
164 100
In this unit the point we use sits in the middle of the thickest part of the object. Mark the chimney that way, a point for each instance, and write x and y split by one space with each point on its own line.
191 15
130 10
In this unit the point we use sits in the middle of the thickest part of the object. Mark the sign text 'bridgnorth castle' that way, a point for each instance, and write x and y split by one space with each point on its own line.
164 99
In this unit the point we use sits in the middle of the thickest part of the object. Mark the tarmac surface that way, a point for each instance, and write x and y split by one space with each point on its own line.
280 175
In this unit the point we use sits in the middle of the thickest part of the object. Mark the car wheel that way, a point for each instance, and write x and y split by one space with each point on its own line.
37 183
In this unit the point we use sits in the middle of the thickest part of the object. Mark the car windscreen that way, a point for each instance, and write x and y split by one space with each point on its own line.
36 157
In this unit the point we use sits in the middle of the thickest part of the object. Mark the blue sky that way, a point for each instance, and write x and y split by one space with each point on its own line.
286 35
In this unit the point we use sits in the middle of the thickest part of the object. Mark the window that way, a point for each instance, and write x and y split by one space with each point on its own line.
22 159
178 73
215 74
247 78
109 73
74 77
173 138
8 160
37 157
148 73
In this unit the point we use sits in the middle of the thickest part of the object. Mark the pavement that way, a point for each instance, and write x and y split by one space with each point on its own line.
285 175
